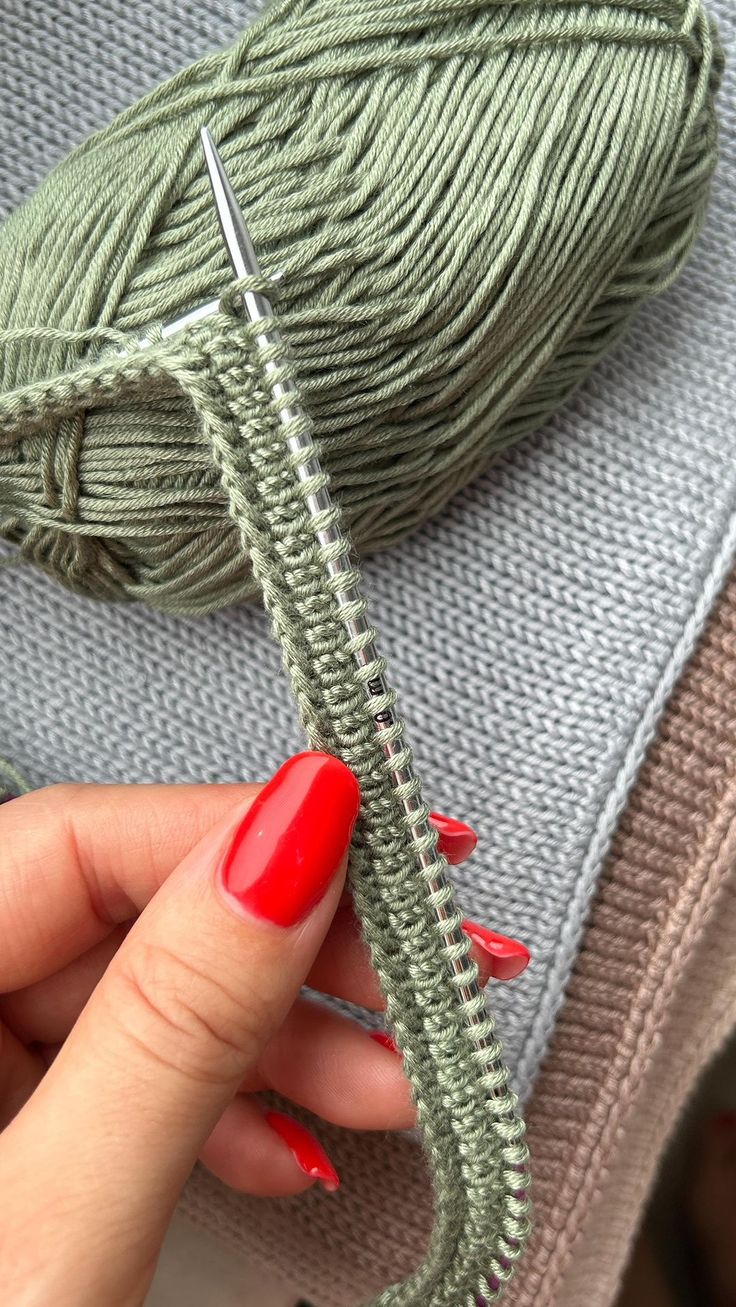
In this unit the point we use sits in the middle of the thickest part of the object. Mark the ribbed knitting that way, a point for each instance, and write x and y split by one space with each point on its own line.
472 1136
652 995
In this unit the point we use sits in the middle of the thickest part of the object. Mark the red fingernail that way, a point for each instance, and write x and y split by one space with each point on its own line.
307 1151
505 957
383 1038
293 839
725 1122
456 840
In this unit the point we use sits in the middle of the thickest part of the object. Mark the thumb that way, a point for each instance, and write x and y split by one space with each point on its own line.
197 989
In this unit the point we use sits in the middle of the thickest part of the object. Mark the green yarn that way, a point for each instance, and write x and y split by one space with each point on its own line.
11 781
473 1138
467 198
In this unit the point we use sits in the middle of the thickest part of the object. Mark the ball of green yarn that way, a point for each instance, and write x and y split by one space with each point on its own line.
467 199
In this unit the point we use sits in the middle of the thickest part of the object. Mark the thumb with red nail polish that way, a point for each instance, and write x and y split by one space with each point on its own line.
179 1019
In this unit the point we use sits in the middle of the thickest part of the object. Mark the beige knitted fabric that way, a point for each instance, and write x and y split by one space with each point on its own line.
652 997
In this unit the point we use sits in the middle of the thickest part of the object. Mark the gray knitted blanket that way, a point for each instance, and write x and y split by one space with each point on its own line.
551 608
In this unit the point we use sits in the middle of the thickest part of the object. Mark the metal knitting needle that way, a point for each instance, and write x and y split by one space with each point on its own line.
257 307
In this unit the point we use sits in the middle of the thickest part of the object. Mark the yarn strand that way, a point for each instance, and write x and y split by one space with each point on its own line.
468 199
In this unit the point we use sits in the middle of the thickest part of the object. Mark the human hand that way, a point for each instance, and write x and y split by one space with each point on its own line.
153 942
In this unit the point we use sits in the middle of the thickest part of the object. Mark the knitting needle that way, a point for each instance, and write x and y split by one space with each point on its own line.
258 308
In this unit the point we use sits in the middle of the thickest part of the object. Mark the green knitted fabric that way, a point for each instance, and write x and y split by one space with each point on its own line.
473 1138
468 199
11 781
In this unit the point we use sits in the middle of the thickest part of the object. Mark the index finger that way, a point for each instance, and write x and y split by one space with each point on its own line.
78 860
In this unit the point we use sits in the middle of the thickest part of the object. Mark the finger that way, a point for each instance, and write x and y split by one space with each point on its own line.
194 994
20 1072
246 1151
329 1064
343 966
77 860
335 1068
45 1012
498 956
456 839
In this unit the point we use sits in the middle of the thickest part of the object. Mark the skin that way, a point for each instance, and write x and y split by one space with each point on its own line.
140 1014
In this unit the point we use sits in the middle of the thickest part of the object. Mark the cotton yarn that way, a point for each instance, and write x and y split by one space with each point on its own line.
467 200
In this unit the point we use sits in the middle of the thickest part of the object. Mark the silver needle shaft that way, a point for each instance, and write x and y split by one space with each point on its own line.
258 308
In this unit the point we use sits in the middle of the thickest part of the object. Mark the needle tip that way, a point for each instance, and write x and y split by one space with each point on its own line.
232 223
208 146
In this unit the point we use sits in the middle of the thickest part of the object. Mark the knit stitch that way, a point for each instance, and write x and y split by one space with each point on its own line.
467 1112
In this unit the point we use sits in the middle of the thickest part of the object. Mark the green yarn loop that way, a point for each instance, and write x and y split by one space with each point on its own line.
467 198
11 781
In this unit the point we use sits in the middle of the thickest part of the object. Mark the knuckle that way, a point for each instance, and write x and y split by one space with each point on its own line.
184 1018
64 793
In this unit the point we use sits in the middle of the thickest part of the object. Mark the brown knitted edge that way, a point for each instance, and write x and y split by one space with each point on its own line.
652 996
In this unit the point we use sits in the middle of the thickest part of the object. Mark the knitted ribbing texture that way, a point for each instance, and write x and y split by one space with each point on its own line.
473 1137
